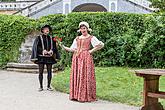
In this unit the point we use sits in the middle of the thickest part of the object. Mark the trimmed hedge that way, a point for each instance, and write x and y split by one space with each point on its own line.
13 29
119 31
134 40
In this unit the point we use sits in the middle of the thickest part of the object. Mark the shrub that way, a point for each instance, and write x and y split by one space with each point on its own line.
134 40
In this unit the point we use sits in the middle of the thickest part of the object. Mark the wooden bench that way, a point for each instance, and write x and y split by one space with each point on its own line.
151 92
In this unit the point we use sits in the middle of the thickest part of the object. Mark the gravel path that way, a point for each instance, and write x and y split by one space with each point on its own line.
18 91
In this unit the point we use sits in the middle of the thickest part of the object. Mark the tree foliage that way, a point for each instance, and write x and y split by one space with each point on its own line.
159 4
13 30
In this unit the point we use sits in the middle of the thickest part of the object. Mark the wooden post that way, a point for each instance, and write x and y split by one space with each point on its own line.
151 84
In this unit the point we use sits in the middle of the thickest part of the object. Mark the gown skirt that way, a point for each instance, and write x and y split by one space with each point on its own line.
82 77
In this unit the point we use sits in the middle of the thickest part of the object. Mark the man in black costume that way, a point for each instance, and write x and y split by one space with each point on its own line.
44 52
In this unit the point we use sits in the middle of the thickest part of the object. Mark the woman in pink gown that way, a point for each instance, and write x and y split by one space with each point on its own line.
82 77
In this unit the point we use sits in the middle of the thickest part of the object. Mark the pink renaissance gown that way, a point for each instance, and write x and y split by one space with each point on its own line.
82 77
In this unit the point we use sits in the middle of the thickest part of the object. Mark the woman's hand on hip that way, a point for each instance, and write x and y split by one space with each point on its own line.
90 51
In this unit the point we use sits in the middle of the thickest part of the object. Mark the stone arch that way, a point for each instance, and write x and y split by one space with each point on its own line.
90 7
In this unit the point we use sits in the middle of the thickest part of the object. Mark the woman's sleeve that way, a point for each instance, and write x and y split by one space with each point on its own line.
74 44
95 42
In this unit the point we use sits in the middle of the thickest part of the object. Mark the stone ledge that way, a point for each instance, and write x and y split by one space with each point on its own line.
22 65
26 68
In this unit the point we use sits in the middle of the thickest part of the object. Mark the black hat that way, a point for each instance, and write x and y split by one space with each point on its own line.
46 26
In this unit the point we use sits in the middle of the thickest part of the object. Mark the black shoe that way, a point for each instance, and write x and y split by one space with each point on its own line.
40 89
49 89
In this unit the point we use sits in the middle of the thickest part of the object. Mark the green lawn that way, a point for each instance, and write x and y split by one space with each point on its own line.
115 84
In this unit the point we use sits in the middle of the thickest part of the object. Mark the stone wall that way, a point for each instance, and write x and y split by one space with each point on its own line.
26 47
67 7
56 8
125 6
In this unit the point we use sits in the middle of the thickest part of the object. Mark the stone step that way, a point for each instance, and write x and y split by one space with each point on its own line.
22 65
26 68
